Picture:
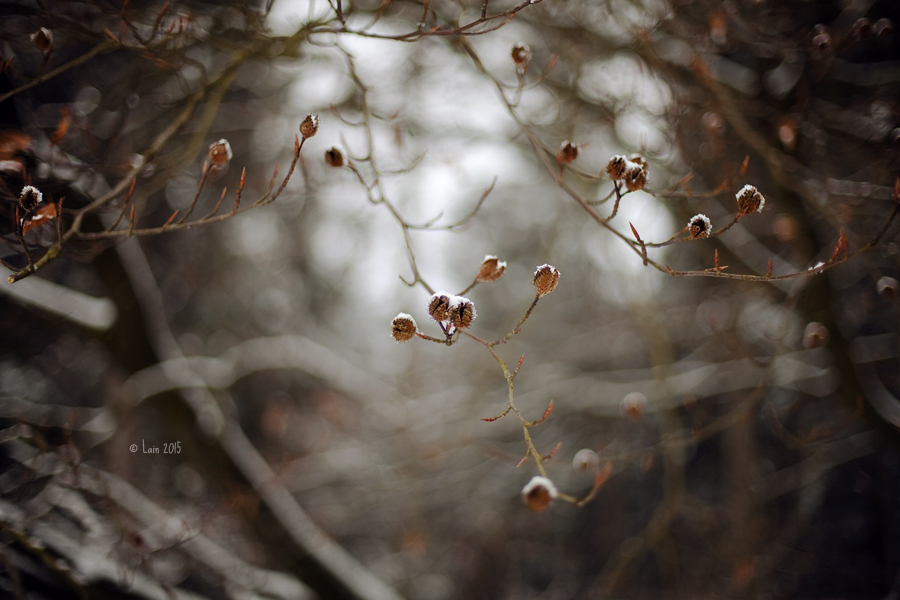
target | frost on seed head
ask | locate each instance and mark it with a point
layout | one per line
(699, 227)
(546, 278)
(750, 200)
(491, 269)
(403, 327)
(539, 493)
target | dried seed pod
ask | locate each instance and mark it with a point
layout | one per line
(883, 28)
(635, 178)
(633, 406)
(334, 157)
(546, 278)
(815, 335)
(750, 200)
(439, 306)
(862, 29)
(309, 126)
(888, 287)
(462, 312)
(585, 460)
(567, 153)
(43, 40)
(521, 55)
(30, 198)
(699, 227)
(616, 167)
(539, 493)
(491, 269)
(220, 154)
(403, 327)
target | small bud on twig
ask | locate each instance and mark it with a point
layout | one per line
(403, 327)
(699, 227)
(546, 278)
(309, 126)
(220, 154)
(539, 493)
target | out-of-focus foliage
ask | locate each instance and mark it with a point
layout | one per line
(745, 431)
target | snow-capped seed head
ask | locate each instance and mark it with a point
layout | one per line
(699, 227)
(815, 335)
(635, 178)
(616, 167)
(334, 157)
(462, 312)
(546, 278)
(521, 55)
(309, 126)
(539, 493)
(750, 200)
(439, 306)
(220, 154)
(633, 406)
(43, 40)
(585, 460)
(403, 327)
(30, 197)
(567, 153)
(491, 269)
(888, 287)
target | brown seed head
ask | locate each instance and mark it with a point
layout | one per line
(750, 200)
(439, 306)
(699, 227)
(403, 328)
(633, 406)
(616, 167)
(567, 153)
(546, 278)
(635, 178)
(491, 270)
(539, 493)
(334, 157)
(30, 198)
(585, 460)
(521, 55)
(43, 40)
(309, 126)
(220, 154)
(462, 313)
(815, 335)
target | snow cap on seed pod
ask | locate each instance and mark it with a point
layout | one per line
(539, 493)
(546, 278)
(491, 269)
(403, 327)
(699, 227)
